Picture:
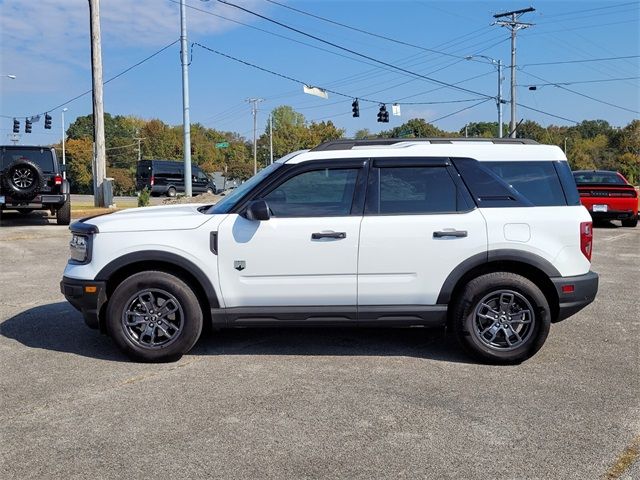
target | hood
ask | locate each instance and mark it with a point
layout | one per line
(168, 217)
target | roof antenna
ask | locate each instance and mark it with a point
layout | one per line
(512, 132)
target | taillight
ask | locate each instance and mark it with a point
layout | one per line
(152, 180)
(57, 180)
(622, 194)
(586, 239)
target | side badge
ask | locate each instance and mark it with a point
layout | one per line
(239, 265)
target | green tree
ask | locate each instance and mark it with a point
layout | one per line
(414, 128)
(79, 153)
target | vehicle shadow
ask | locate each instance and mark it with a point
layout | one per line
(59, 327)
(17, 219)
(605, 224)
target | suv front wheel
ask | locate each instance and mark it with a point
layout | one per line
(154, 316)
(501, 317)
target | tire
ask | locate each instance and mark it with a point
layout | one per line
(63, 214)
(171, 192)
(507, 339)
(633, 222)
(22, 179)
(146, 294)
(210, 191)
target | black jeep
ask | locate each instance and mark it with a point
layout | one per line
(31, 179)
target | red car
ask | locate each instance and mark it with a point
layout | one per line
(608, 196)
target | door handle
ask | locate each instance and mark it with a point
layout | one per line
(450, 233)
(319, 235)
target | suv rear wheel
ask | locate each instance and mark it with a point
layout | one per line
(154, 316)
(501, 317)
(63, 214)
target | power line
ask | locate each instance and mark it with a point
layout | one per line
(584, 95)
(459, 111)
(578, 61)
(291, 39)
(356, 29)
(126, 70)
(577, 82)
(340, 47)
(562, 14)
(287, 77)
(547, 113)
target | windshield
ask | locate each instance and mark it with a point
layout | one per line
(598, 177)
(229, 201)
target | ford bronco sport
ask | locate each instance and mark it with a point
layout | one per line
(485, 237)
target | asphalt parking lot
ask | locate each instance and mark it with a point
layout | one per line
(402, 403)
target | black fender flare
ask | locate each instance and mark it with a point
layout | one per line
(160, 256)
(504, 254)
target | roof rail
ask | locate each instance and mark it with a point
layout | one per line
(348, 144)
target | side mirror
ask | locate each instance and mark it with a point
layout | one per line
(258, 210)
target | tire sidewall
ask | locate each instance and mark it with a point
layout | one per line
(484, 285)
(192, 322)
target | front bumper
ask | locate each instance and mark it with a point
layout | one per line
(583, 293)
(86, 296)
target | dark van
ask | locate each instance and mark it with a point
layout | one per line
(166, 177)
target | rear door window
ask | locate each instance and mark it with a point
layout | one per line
(409, 190)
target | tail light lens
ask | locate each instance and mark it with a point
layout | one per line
(586, 239)
(152, 180)
(57, 180)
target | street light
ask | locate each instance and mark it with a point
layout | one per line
(499, 101)
(12, 77)
(64, 157)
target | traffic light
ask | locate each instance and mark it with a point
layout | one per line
(27, 125)
(383, 115)
(47, 121)
(355, 108)
(16, 126)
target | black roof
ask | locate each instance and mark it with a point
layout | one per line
(347, 144)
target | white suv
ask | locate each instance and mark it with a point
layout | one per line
(487, 237)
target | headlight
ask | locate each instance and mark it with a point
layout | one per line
(79, 248)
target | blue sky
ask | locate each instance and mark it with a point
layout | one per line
(46, 45)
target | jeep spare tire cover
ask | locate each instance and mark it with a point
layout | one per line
(22, 179)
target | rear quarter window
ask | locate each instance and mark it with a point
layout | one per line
(538, 182)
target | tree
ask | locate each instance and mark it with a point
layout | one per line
(414, 128)
(79, 152)
(123, 181)
(593, 128)
(362, 134)
(322, 132)
(482, 129)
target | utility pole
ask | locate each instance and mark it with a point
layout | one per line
(254, 110)
(271, 138)
(186, 122)
(514, 25)
(100, 157)
(64, 152)
(139, 139)
(500, 101)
